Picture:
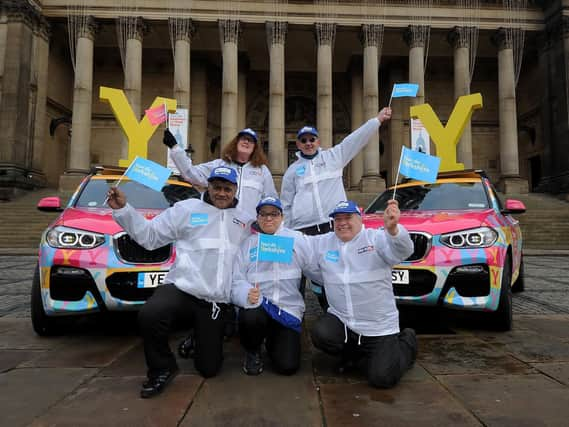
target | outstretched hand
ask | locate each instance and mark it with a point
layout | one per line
(384, 115)
(391, 217)
(116, 198)
(169, 140)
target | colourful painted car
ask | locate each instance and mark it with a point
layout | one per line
(468, 248)
(87, 263)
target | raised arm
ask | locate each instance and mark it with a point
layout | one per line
(345, 151)
(150, 234)
(393, 242)
(195, 174)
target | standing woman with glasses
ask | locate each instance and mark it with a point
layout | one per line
(312, 186)
(244, 155)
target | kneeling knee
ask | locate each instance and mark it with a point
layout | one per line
(383, 380)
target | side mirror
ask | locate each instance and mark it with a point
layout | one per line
(514, 207)
(50, 204)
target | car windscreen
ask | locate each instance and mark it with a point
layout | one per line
(439, 196)
(137, 195)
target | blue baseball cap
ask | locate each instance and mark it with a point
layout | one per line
(225, 173)
(270, 201)
(346, 206)
(307, 129)
(248, 132)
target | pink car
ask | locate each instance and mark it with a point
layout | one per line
(468, 248)
(88, 264)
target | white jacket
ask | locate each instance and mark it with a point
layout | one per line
(207, 240)
(357, 277)
(253, 184)
(312, 188)
(278, 282)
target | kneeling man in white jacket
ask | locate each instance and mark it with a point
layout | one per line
(362, 320)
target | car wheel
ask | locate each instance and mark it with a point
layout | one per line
(501, 319)
(43, 324)
(519, 286)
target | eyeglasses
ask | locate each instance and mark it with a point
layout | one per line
(305, 140)
(269, 214)
(247, 139)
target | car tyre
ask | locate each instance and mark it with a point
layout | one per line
(519, 286)
(501, 319)
(43, 324)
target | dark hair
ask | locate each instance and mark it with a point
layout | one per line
(257, 158)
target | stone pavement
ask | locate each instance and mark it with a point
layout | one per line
(464, 375)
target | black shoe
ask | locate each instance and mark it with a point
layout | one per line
(253, 363)
(409, 337)
(186, 349)
(157, 383)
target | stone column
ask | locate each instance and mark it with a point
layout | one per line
(325, 35)
(40, 69)
(3, 43)
(18, 96)
(357, 118)
(276, 38)
(182, 58)
(198, 112)
(416, 38)
(133, 72)
(229, 35)
(80, 148)
(370, 38)
(243, 70)
(457, 39)
(510, 181)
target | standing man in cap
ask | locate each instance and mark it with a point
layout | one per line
(197, 289)
(313, 185)
(362, 321)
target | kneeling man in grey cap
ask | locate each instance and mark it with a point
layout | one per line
(362, 321)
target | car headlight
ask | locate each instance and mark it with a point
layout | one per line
(70, 238)
(475, 238)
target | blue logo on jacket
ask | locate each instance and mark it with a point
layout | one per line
(198, 219)
(301, 170)
(333, 256)
(253, 254)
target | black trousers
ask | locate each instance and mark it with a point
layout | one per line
(170, 308)
(313, 231)
(387, 357)
(282, 343)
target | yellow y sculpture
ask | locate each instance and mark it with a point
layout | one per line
(137, 133)
(446, 137)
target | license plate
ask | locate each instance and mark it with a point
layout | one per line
(150, 280)
(400, 277)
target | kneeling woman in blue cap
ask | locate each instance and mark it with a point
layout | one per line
(244, 155)
(266, 282)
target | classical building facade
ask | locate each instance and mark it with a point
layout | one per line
(276, 73)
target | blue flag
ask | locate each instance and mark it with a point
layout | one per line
(419, 166)
(401, 90)
(148, 173)
(275, 248)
